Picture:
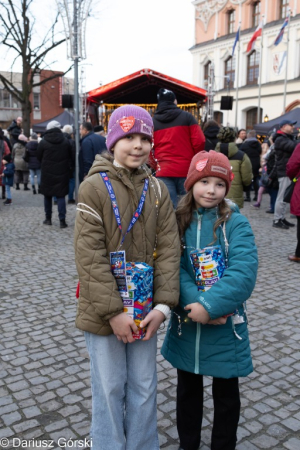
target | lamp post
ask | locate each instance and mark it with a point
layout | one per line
(74, 14)
(266, 118)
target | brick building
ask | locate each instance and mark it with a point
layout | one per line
(46, 99)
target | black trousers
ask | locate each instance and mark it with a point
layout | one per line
(226, 398)
(297, 252)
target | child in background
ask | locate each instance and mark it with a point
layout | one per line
(8, 177)
(202, 339)
(123, 371)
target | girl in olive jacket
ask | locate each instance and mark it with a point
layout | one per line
(203, 337)
(123, 371)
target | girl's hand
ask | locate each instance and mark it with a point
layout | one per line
(198, 313)
(153, 320)
(219, 321)
(123, 326)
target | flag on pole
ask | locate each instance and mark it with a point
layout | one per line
(237, 38)
(256, 34)
(281, 32)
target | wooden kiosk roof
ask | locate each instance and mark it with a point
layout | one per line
(141, 88)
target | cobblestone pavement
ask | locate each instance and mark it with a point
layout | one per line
(44, 375)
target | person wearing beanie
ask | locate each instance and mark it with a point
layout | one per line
(4, 150)
(121, 206)
(21, 166)
(91, 144)
(34, 164)
(7, 176)
(208, 335)
(177, 138)
(54, 152)
(240, 162)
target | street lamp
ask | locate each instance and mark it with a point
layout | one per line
(266, 118)
(74, 14)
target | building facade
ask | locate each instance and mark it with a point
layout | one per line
(216, 25)
(46, 99)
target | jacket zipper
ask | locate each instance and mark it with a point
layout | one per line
(198, 332)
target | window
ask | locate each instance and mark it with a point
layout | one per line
(253, 67)
(231, 21)
(229, 72)
(206, 73)
(284, 4)
(36, 100)
(256, 14)
(8, 101)
(251, 118)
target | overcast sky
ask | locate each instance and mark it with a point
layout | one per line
(124, 36)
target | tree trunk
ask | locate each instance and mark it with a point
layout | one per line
(26, 111)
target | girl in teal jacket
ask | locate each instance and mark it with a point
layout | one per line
(207, 334)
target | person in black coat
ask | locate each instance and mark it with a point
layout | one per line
(91, 145)
(68, 133)
(210, 130)
(252, 147)
(55, 154)
(285, 144)
(34, 164)
(15, 129)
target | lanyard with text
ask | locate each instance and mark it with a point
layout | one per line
(116, 211)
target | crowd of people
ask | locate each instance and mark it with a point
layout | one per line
(182, 197)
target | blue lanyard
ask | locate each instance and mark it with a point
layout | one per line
(116, 211)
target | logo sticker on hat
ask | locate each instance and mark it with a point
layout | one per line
(201, 164)
(127, 123)
(146, 129)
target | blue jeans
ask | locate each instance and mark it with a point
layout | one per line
(273, 195)
(72, 186)
(123, 381)
(7, 192)
(175, 187)
(61, 206)
(34, 172)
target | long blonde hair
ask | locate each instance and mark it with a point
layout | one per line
(184, 214)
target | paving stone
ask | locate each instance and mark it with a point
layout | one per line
(45, 375)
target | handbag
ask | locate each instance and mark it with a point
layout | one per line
(289, 191)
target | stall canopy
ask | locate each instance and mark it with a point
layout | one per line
(65, 118)
(266, 128)
(141, 88)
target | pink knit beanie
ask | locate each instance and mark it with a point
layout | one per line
(128, 119)
(209, 164)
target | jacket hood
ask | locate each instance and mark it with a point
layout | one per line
(228, 150)
(167, 112)
(104, 164)
(253, 143)
(211, 132)
(54, 136)
(32, 145)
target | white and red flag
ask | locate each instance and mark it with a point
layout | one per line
(256, 34)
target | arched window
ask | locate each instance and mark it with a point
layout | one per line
(206, 73)
(253, 67)
(229, 72)
(251, 118)
(231, 21)
(283, 9)
(255, 14)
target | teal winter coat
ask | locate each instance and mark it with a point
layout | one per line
(221, 351)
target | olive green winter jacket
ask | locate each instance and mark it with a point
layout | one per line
(241, 168)
(97, 234)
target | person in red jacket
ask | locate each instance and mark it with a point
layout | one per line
(292, 171)
(177, 138)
